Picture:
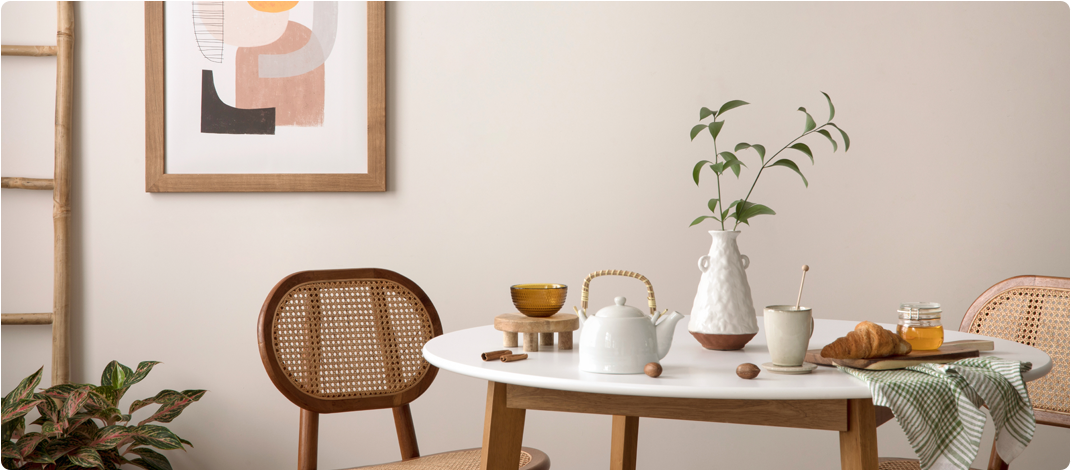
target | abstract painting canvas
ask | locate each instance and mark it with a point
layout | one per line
(265, 96)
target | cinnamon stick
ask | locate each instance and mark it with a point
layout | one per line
(509, 358)
(488, 356)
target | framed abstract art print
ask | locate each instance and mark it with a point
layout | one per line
(265, 96)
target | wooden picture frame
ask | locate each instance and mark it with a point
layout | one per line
(157, 180)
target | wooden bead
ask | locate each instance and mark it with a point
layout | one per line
(747, 370)
(653, 369)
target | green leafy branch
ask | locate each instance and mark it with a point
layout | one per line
(742, 210)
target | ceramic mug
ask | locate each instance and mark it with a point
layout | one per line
(788, 331)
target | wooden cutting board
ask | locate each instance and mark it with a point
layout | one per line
(950, 351)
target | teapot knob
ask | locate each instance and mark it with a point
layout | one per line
(620, 300)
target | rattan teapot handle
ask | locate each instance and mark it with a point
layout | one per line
(587, 281)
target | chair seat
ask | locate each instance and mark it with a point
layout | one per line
(464, 459)
(898, 463)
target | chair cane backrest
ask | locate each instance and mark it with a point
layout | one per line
(1031, 310)
(347, 340)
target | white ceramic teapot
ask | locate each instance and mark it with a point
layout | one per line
(620, 339)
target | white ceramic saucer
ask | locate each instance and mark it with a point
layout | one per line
(803, 369)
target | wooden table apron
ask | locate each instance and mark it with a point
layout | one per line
(844, 407)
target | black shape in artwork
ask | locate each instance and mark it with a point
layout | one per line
(218, 117)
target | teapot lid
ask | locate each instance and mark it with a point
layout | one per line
(619, 310)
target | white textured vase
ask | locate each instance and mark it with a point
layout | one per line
(723, 315)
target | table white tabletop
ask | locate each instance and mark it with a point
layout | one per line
(689, 370)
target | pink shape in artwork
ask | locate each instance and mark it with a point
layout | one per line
(298, 100)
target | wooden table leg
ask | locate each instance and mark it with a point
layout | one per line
(859, 445)
(623, 440)
(503, 429)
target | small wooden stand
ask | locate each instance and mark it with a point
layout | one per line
(537, 330)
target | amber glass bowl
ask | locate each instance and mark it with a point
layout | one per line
(538, 299)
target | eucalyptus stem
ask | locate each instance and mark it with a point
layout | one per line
(718, 177)
(763, 167)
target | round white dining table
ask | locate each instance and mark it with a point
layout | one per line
(704, 383)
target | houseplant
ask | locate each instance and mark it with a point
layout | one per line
(723, 316)
(70, 435)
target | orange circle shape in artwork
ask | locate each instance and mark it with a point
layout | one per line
(272, 7)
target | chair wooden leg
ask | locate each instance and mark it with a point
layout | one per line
(994, 459)
(403, 423)
(859, 445)
(623, 442)
(503, 430)
(307, 439)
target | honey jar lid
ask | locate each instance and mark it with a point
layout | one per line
(919, 311)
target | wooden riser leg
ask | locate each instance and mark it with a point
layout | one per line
(546, 338)
(623, 442)
(509, 339)
(565, 340)
(859, 445)
(531, 342)
(503, 430)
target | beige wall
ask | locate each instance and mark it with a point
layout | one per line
(540, 142)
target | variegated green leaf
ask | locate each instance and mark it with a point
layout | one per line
(790, 165)
(695, 176)
(143, 370)
(28, 443)
(697, 129)
(715, 129)
(186, 442)
(730, 105)
(10, 451)
(86, 458)
(49, 407)
(50, 429)
(195, 394)
(14, 429)
(109, 437)
(110, 394)
(156, 436)
(844, 135)
(169, 410)
(831, 110)
(112, 459)
(150, 459)
(19, 408)
(97, 401)
(809, 124)
(803, 148)
(115, 375)
(74, 402)
(828, 136)
(25, 388)
(704, 112)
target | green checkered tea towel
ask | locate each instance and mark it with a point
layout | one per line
(939, 407)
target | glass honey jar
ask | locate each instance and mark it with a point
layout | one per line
(920, 325)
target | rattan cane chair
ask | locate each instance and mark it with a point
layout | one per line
(350, 340)
(1031, 310)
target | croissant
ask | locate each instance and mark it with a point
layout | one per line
(868, 340)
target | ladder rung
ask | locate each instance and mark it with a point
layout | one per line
(37, 318)
(27, 183)
(36, 51)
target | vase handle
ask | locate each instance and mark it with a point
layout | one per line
(746, 261)
(704, 263)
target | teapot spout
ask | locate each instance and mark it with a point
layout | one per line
(664, 332)
(580, 313)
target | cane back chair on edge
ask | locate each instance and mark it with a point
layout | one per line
(1031, 310)
(350, 340)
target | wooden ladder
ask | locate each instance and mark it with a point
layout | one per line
(60, 185)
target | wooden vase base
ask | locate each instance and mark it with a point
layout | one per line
(723, 341)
